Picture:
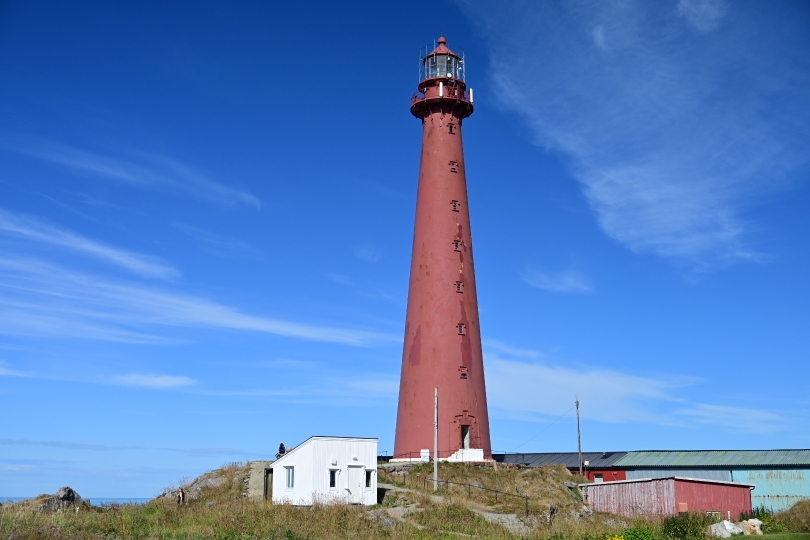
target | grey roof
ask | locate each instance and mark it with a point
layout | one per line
(714, 458)
(598, 460)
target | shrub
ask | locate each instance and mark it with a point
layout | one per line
(686, 526)
(639, 533)
(770, 524)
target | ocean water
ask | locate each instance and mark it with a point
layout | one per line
(95, 501)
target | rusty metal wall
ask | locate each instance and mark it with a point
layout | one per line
(724, 475)
(643, 498)
(777, 489)
(708, 497)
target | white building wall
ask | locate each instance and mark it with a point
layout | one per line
(313, 460)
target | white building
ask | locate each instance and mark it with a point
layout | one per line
(327, 470)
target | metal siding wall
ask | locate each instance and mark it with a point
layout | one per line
(655, 497)
(607, 475)
(706, 474)
(777, 489)
(702, 497)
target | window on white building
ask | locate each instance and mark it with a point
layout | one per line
(368, 478)
(332, 478)
(290, 476)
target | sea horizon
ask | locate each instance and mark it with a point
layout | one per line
(94, 501)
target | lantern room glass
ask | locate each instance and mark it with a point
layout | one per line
(434, 66)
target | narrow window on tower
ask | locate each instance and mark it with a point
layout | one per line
(462, 329)
(463, 370)
(459, 287)
(454, 166)
(455, 205)
(457, 245)
(451, 128)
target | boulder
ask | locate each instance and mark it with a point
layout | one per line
(193, 491)
(382, 517)
(724, 529)
(750, 526)
(63, 499)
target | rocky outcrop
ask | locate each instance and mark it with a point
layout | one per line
(64, 499)
(209, 480)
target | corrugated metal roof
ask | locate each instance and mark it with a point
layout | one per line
(597, 460)
(714, 458)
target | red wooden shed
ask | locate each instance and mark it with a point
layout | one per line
(669, 496)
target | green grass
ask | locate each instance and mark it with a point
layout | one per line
(788, 536)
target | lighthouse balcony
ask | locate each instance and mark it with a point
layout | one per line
(442, 92)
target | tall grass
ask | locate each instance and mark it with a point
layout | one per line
(797, 518)
(237, 519)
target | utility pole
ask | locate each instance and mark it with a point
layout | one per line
(579, 436)
(436, 439)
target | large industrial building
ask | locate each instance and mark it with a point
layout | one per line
(781, 477)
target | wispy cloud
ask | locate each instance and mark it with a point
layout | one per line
(675, 119)
(153, 381)
(495, 346)
(8, 372)
(324, 388)
(340, 279)
(39, 299)
(704, 15)
(69, 445)
(33, 229)
(740, 419)
(367, 254)
(137, 168)
(216, 244)
(611, 396)
(568, 281)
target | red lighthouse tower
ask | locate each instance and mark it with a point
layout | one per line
(442, 335)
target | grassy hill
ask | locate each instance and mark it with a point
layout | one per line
(218, 509)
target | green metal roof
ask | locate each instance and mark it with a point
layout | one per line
(715, 458)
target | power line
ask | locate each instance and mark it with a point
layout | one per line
(545, 428)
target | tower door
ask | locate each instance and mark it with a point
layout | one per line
(355, 488)
(465, 436)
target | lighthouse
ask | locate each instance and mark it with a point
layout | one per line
(442, 348)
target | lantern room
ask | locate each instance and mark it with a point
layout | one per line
(441, 63)
(442, 83)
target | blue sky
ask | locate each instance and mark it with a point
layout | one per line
(206, 214)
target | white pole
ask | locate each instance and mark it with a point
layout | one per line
(579, 437)
(441, 89)
(436, 439)
(471, 96)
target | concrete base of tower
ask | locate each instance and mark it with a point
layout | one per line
(466, 455)
(463, 455)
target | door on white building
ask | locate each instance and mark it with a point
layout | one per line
(355, 487)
